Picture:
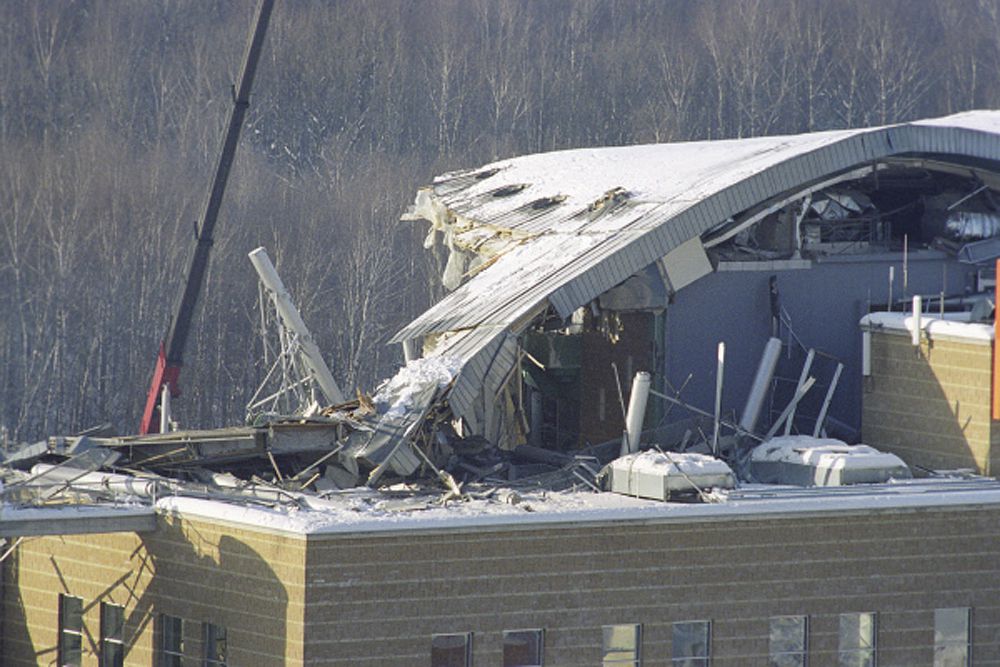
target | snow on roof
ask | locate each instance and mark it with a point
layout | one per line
(956, 327)
(363, 511)
(674, 463)
(18, 520)
(823, 453)
(559, 229)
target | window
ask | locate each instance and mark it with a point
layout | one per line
(622, 644)
(214, 641)
(70, 630)
(952, 637)
(523, 648)
(857, 640)
(112, 635)
(171, 641)
(692, 640)
(451, 650)
(788, 641)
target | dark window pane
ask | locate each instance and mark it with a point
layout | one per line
(69, 650)
(112, 655)
(172, 637)
(522, 648)
(71, 613)
(112, 621)
(215, 644)
(70, 630)
(451, 650)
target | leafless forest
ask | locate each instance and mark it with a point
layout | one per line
(111, 117)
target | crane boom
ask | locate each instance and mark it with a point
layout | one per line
(171, 354)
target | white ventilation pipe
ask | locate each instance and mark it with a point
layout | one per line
(761, 381)
(866, 353)
(311, 356)
(636, 409)
(915, 334)
(165, 415)
(720, 371)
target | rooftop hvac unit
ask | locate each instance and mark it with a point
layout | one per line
(802, 460)
(662, 476)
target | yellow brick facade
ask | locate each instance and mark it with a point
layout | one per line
(248, 581)
(931, 407)
(376, 598)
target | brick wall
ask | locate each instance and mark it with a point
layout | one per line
(377, 600)
(250, 582)
(933, 408)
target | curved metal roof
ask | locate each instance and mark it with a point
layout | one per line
(564, 227)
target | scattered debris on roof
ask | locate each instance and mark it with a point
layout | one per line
(556, 260)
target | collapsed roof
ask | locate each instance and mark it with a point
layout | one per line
(537, 235)
(557, 230)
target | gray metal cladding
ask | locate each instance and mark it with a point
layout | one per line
(627, 238)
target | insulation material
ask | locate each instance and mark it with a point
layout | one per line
(972, 226)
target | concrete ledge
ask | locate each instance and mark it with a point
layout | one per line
(31, 521)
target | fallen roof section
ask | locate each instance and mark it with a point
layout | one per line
(556, 230)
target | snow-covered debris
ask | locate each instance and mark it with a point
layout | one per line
(806, 461)
(418, 378)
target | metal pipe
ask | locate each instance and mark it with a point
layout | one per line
(799, 393)
(95, 481)
(802, 379)
(915, 334)
(720, 370)
(765, 373)
(637, 409)
(165, 409)
(826, 401)
(866, 353)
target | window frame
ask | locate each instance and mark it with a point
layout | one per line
(536, 637)
(847, 656)
(212, 636)
(108, 638)
(691, 660)
(466, 638)
(942, 645)
(170, 656)
(778, 656)
(636, 637)
(66, 633)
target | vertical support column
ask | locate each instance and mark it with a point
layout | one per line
(996, 336)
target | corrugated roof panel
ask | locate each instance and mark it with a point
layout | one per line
(706, 182)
